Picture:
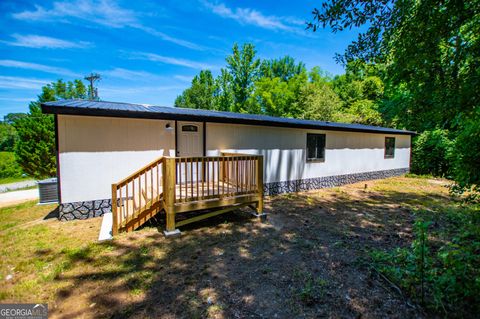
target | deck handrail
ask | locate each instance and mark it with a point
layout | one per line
(137, 192)
(168, 182)
(222, 153)
(140, 171)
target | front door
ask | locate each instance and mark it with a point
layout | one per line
(189, 143)
(189, 139)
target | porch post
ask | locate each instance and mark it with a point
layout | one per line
(169, 171)
(114, 210)
(260, 212)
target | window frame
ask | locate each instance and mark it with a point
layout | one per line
(316, 159)
(386, 147)
(189, 126)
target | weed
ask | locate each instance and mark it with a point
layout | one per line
(441, 269)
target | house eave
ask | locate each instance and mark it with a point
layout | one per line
(66, 110)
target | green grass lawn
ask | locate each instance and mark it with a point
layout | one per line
(310, 259)
(8, 180)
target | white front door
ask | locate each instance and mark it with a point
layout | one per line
(189, 139)
(189, 143)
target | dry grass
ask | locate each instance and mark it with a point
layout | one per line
(307, 260)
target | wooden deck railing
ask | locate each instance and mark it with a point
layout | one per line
(200, 178)
(181, 184)
(136, 193)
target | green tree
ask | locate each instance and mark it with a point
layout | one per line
(429, 153)
(201, 93)
(466, 153)
(319, 102)
(10, 118)
(35, 149)
(284, 68)
(224, 97)
(244, 69)
(364, 112)
(8, 136)
(431, 53)
(8, 166)
(317, 75)
(273, 96)
(349, 90)
(431, 49)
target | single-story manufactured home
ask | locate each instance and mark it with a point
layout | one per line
(104, 146)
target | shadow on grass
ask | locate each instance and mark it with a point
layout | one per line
(53, 214)
(309, 259)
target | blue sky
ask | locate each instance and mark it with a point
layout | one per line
(147, 51)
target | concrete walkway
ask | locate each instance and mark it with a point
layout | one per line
(16, 197)
(13, 186)
(106, 228)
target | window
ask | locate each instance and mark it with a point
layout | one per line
(389, 147)
(189, 128)
(315, 147)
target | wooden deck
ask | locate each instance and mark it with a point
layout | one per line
(184, 184)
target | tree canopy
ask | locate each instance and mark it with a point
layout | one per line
(425, 58)
(284, 87)
(35, 148)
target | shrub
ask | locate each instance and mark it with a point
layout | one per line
(465, 154)
(9, 166)
(8, 135)
(430, 153)
(441, 269)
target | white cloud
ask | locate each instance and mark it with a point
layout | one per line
(13, 82)
(166, 37)
(184, 78)
(38, 41)
(254, 17)
(18, 99)
(138, 90)
(168, 60)
(36, 67)
(103, 12)
(126, 74)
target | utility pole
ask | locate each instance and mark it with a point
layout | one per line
(92, 90)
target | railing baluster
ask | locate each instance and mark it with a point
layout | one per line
(151, 187)
(196, 166)
(203, 178)
(191, 178)
(146, 188)
(139, 192)
(121, 200)
(126, 195)
(186, 180)
(236, 175)
(218, 176)
(180, 178)
(207, 176)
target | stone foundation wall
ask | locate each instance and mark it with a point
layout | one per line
(96, 208)
(328, 181)
(84, 210)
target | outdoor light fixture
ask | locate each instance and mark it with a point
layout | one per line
(168, 127)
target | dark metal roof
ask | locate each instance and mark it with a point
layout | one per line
(116, 109)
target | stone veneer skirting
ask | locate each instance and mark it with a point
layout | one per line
(84, 210)
(96, 208)
(328, 181)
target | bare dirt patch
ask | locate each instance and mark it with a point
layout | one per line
(310, 259)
